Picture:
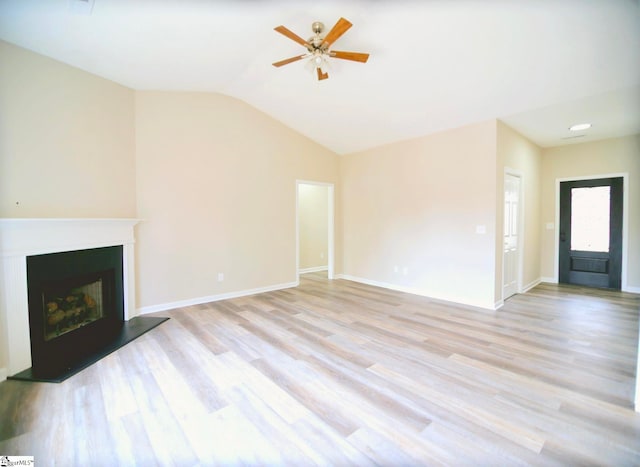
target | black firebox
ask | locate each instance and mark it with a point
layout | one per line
(76, 306)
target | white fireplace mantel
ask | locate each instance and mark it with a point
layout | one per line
(20, 238)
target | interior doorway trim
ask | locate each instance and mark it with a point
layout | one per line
(330, 226)
(625, 224)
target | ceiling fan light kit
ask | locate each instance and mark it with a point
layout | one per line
(319, 46)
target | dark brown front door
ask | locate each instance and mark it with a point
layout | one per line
(591, 232)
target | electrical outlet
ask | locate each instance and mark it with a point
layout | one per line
(396, 269)
(220, 276)
(321, 255)
(405, 270)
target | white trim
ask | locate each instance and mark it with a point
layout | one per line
(631, 289)
(331, 233)
(625, 222)
(330, 227)
(213, 298)
(316, 269)
(531, 285)
(549, 280)
(636, 399)
(637, 396)
(422, 293)
(3, 374)
(24, 236)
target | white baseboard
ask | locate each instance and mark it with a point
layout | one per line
(316, 269)
(549, 280)
(422, 293)
(213, 298)
(3, 374)
(531, 285)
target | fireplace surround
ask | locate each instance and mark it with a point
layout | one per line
(21, 240)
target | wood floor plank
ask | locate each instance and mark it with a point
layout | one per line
(273, 427)
(342, 373)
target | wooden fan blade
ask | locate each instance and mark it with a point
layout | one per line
(291, 35)
(338, 30)
(289, 60)
(321, 75)
(354, 56)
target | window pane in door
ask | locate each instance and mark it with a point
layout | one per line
(590, 218)
(507, 222)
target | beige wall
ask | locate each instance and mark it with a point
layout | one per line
(313, 225)
(216, 186)
(416, 205)
(616, 155)
(520, 156)
(67, 144)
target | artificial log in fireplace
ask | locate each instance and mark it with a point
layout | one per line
(76, 311)
(71, 304)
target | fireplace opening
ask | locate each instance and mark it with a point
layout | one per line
(76, 306)
(71, 304)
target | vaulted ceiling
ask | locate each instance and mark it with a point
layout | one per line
(539, 65)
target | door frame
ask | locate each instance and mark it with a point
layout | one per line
(521, 216)
(613, 256)
(625, 223)
(330, 226)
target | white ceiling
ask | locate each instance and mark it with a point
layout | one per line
(539, 65)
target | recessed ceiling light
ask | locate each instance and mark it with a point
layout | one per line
(580, 127)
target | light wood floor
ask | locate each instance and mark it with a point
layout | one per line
(339, 373)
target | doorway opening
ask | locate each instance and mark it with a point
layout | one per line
(590, 232)
(314, 227)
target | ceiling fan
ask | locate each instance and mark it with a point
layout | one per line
(319, 46)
